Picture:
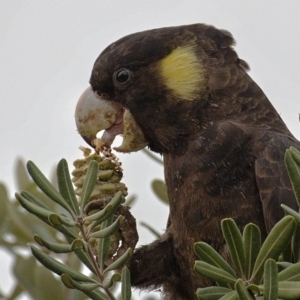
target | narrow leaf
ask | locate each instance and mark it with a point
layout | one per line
(126, 285)
(212, 292)
(59, 247)
(274, 244)
(289, 211)
(65, 186)
(46, 186)
(102, 233)
(291, 160)
(88, 288)
(57, 220)
(33, 208)
(212, 257)
(235, 244)
(270, 280)
(89, 183)
(33, 199)
(289, 290)
(112, 206)
(241, 290)
(213, 273)
(57, 267)
(103, 247)
(120, 262)
(230, 296)
(291, 273)
(109, 281)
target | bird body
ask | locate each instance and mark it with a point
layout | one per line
(222, 142)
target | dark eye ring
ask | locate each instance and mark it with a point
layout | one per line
(122, 75)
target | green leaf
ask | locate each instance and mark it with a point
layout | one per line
(88, 288)
(103, 247)
(56, 266)
(153, 156)
(59, 247)
(103, 233)
(46, 186)
(296, 243)
(241, 290)
(291, 273)
(110, 280)
(33, 208)
(212, 292)
(120, 262)
(289, 290)
(35, 200)
(160, 190)
(213, 273)
(89, 183)
(230, 296)
(252, 244)
(65, 186)
(212, 257)
(276, 241)
(289, 211)
(32, 277)
(270, 280)
(235, 244)
(57, 220)
(126, 285)
(292, 162)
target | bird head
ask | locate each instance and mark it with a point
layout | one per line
(160, 87)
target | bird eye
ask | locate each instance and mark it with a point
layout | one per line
(122, 76)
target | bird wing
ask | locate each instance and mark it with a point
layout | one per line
(272, 179)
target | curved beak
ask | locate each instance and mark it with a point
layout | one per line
(94, 114)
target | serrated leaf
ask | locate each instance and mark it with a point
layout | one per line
(126, 285)
(235, 244)
(46, 186)
(89, 183)
(291, 273)
(212, 292)
(270, 280)
(252, 244)
(274, 244)
(212, 257)
(241, 290)
(65, 186)
(214, 273)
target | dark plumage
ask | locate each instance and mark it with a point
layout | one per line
(222, 142)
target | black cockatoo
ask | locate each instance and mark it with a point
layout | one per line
(184, 92)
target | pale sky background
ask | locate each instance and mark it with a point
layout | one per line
(47, 50)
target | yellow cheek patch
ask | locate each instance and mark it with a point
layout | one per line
(183, 73)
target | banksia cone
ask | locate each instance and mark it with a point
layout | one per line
(108, 184)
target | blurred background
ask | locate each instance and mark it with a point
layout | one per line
(47, 50)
